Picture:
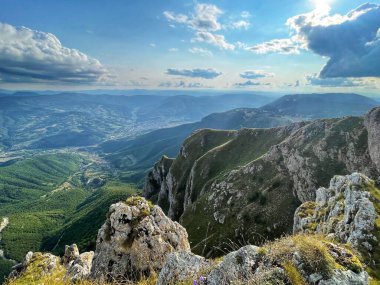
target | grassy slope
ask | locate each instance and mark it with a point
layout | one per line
(45, 201)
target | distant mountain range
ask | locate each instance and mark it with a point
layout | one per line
(29, 121)
(140, 153)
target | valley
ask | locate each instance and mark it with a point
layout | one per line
(226, 171)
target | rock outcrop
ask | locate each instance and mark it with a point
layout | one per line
(349, 212)
(155, 187)
(245, 180)
(135, 241)
(372, 123)
(182, 266)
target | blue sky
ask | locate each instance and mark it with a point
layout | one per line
(290, 45)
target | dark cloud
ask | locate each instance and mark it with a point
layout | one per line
(351, 42)
(33, 56)
(197, 73)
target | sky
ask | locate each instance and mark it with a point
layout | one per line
(257, 45)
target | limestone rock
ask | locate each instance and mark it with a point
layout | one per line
(181, 266)
(238, 265)
(81, 267)
(135, 241)
(38, 265)
(71, 254)
(372, 123)
(344, 211)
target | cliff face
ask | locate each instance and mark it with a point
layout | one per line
(247, 184)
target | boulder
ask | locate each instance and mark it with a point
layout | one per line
(182, 266)
(135, 241)
(81, 267)
(71, 254)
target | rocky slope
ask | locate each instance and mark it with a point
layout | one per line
(138, 244)
(347, 211)
(247, 184)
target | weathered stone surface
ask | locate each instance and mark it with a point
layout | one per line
(37, 264)
(80, 268)
(135, 241)
(181, 266)
(71, 254)
(239, 266)
(344, 211)
(372, 123)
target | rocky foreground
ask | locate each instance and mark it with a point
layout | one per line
(335, 241)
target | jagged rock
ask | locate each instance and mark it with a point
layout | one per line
(344, 211)
(239, 266)
(81, 267)
(372, 123)
(182, 266)
(38, 265)
(71, 254)
(135, 241)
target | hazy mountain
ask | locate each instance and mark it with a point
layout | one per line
(29, 121)
(329, 105)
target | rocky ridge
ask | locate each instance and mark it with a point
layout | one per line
(245, 180)
(138, 241)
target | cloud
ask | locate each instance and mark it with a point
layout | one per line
(315, 80)
(205, 22)
(242, 24)
(201, 51)
(282, 46)
(351, 41)
(173, 49)
(33, 56)
(251, 83)
(153, 45)
(198, 73)
(255, 74)
(182, 84)
(205, 18)
(216, 40)
(245, 14)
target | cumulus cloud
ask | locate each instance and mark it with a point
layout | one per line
(245, 14)
(255, 74)
(205, 22)
(282, 46)
(315, 80)
(251, 83)
(242, 24)
(350, 41)
(205, 18)
(173, 49)
(197, 73)
(214, 39)
(201, 51)
(33, 56)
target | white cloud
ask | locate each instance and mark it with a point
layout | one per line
(315, 80)
(173, 49)
(33, 56)
(214, 39)
(251, 83)
(242, 24)
(245, 14)
(201, 51)
(204, 18)
(255, 74)
(283, 46)
(153, 45)
(182, 84)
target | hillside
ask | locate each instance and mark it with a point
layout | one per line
(74, 120)
(139, 154)
(327, 105)
(246, 185)
(53, 199)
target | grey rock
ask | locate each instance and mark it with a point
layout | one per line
(372, 123)
(80, 268)
(135, 241)
(182, 266)
(71, 254)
